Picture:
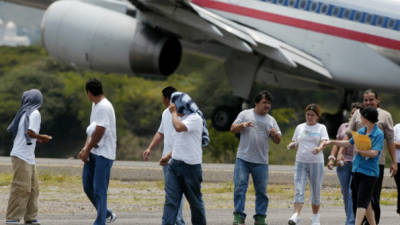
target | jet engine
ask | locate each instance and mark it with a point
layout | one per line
(90, 36)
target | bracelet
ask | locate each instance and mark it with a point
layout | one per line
(331, 157)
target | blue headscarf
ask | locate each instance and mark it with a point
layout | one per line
(31, 100)
(185, 105)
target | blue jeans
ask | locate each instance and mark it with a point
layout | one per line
(259, 173)
(344, 175)
(179, 218)
(95, 179)
(185, 179)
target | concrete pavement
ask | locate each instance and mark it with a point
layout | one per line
(151, 171)
(329, 216)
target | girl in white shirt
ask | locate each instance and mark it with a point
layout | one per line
(309, 138)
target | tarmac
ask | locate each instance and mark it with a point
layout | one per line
(151, 171)
(329, 216)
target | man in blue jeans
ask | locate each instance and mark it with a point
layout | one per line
(255, 126)
(165, 132)
(99, 151)
(184, 174)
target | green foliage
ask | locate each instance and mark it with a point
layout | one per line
(284, 117)
(14, 57)
(278, 154)
(138, 106)
(66, 109)
(222, 147)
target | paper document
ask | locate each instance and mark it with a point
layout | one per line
(362, 142)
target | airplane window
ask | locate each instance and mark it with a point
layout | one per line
(358, 16)
(292, 3)
(391, 23)
(347, 14)
(336, 11)
(314, 6)
(324, 9)
(380, 21)
(369, 18)
(303, 4)
(281, 2)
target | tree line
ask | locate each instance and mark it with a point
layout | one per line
(137, 102)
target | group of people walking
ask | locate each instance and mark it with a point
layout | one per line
(98, 155)
(183, 132)
(361, 172)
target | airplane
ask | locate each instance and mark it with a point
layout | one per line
(297, 44)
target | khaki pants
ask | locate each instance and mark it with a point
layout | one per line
(23, 201)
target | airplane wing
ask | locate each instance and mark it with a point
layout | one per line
(229, 33)
(192, 23)
(265, 44)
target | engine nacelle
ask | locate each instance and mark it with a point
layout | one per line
(89, 36)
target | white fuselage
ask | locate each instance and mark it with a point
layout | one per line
(350, 37)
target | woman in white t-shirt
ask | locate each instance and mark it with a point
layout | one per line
(24, 193)
(397, 176)
(309, 138)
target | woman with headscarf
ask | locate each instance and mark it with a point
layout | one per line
(184, 174)
(23, 200)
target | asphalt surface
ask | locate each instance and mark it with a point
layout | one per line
(151, 171)
(329, 216)
(132, 170)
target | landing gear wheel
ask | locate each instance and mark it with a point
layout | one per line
(222, 117)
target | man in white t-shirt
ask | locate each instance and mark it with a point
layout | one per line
(165, 132)
(256, 128)
(25, 127)
(184, 174)
(98, 154)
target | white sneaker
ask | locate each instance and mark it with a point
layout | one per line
(315, 219)
(294, 219)
(111, 218)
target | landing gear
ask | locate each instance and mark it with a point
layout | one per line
(241, 69)
(333, 121)
(223, 117)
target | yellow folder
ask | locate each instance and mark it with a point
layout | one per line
(362, 142)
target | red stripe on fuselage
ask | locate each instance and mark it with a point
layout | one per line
(299, 23)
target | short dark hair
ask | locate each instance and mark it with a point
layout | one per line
(371, 91)
(94, 86)
(370, 113)
(357, 105)
(315, 108)
(167, 92)
(263, 94)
